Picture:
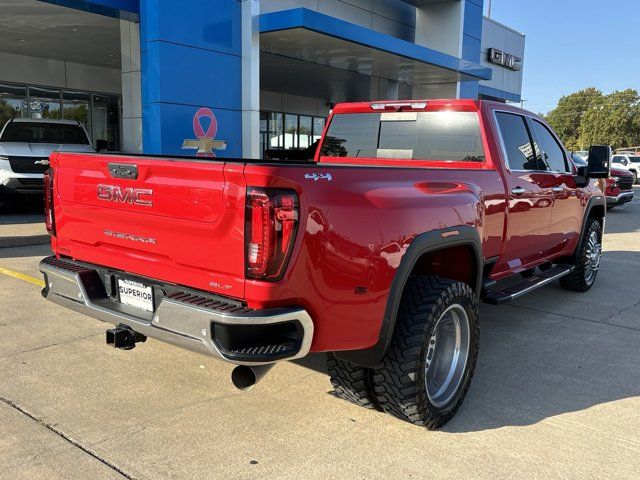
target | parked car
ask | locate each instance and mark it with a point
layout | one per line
(583, 154)
(377, 252)
(627, 162)
(619, 188)
(25, 147)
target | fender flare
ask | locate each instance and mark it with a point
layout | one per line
(595, 201)
(423, 243)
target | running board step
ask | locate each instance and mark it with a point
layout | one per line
(528, 285)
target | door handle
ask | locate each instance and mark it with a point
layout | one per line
(558, 189)
(518, 191)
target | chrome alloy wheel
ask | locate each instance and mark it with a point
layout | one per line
(447, 355)
(592, 256)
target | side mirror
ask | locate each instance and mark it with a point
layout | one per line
(599, 161)
(582, 177)
(102, 145)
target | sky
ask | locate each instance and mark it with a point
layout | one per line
(574, 44)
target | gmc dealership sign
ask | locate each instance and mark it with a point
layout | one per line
(505, 59)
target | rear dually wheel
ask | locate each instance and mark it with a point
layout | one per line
(427, 370)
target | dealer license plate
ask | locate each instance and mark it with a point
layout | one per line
(135, 294)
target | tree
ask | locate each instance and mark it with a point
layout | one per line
(589, 118)
(615, 122)
(566, 118)
(7, 112)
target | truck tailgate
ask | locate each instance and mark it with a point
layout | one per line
(180, 221)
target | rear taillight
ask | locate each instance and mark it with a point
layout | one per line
(271, 224)
(49, 218)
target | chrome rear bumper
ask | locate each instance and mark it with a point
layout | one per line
(178, 319)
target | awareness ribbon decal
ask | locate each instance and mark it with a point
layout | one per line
(205, 143)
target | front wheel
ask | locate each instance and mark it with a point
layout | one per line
(427, 370)
(588, 257)
(635, 177)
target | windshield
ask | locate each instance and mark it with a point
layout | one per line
(433, 136)
(44, 132)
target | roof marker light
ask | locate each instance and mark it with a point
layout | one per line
(398, 106)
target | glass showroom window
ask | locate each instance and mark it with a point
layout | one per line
(13, 103)
(290, 132)
(275, 131)
(77, 106)
(106, 120)
(318, 127)
(286, 131)
(264, 132)
(306, 131)
(99, 113)
(44, 103)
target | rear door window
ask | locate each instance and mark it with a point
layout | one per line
(549, 151)
(517, 142)
(427, 136)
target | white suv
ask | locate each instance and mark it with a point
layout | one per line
(25, 146)
(627, 162)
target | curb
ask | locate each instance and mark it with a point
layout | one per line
(24, 241)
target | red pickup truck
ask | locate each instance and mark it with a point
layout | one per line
(377, 251)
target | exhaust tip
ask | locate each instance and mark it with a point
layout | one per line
(244, 377)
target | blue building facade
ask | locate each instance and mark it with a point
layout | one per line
(221, 76)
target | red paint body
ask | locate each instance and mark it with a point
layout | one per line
(353, 230)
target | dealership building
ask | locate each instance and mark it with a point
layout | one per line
(239, 77)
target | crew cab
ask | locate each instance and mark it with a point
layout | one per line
(377, 251)
(25, 147)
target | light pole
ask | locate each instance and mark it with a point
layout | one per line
(489, 10)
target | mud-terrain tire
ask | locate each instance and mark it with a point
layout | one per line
(406, 383)
(587, 261)
(351, 382)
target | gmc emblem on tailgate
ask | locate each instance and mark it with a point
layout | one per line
(130, 195)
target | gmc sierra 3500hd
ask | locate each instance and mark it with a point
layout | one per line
(377, 251)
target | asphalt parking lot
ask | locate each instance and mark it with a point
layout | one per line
(556, 395)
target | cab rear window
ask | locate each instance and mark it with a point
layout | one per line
(430, 136)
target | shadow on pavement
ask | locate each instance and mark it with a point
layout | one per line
(22, 224)
(29, 205)
(535, 365)
(43, 250)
